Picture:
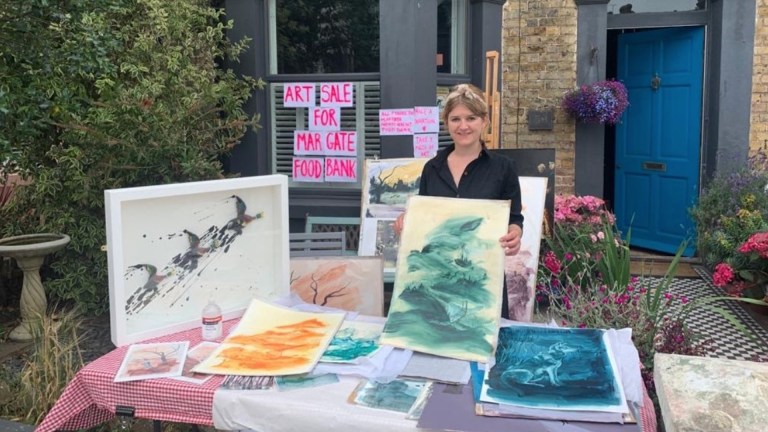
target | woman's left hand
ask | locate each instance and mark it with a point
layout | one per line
(511, 241)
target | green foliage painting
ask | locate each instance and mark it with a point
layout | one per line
(447, 296)
(108, 94)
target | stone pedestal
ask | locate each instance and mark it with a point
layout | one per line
(713, 395)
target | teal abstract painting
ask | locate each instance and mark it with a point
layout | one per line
(449, 278)
(554, 368)
(352, 341)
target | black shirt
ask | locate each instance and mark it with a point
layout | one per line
(490, 176)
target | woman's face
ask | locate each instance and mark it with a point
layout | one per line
(465, 126)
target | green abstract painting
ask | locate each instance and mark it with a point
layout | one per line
(449, 278)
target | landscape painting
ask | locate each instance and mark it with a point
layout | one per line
(554, 368)
(272, 340)
(448, 284)
(173, 247)
(350, 283)
(353, 340)
(521, 269)
(387, 185)
(153, 360)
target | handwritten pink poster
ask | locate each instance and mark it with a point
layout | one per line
(425, 145)
(396, 121)
(340, 143)
(340, 169)
(297, 95)
(307, 169)
(307, 143)
(426, 119)
(324, 118)
(338, 94)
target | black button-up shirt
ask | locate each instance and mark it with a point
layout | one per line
(490, 176)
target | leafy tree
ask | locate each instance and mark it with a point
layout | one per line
(103, 94)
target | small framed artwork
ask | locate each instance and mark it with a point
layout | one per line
(171, 248)
(351, 283)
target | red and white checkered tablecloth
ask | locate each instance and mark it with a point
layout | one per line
(93, 395)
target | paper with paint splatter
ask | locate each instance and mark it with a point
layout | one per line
(273, 340)
(450, 273)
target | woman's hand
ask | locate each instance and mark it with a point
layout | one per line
(399, 224)
(511, 240)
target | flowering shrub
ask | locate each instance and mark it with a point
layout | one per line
(600, 102)
(745, 273)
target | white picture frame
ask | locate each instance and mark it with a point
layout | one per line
(171, 248)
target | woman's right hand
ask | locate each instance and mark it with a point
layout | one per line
(399, 224)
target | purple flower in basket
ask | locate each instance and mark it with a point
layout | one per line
(600, 102)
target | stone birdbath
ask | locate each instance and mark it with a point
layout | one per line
(29, 251)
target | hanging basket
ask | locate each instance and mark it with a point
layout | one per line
(602, 102)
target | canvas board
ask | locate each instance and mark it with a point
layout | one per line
(154, 360)
(351, 283)
(521, 269)
(388, 184)
(448, 284)
(554, 368)
(173, 247)
(273, 340)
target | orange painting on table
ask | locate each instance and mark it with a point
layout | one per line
(273, 340)
(152, 360)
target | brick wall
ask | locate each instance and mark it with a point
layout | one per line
(539, 66)
(758, 133)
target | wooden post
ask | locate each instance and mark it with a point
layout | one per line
(493, 99)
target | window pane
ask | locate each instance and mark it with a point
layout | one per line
(327, 36)
(451, 35)
(639, 6)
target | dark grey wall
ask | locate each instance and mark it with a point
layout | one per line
(484, 31)
(589, 158)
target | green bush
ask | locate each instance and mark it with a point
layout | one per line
(103, 94)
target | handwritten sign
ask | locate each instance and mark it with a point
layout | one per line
(340, 143)
(395, 121)
(307, 143)
(337, 94)
(426, 119)
(297, 95)
(425, 145)
(308, 169)
(324, 118)
(340, 169)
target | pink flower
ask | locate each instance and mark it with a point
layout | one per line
(601, 235)
(568, 256)
(551, 262)
(723, 275)
(593, 237)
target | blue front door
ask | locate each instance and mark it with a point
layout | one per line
(659, 139)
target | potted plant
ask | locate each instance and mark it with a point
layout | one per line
(601, 102)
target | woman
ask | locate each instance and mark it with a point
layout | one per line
(466, 169)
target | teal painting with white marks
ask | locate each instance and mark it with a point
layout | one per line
(352, 341)
(449, 278)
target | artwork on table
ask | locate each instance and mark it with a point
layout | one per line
(521, 269)
(554, 368)
(273, 340)
(153, 360)
(397, 395)
(195, 355)
(240, 382)
(384, 241)
(350, 283)
(353, 340)
(304, 381)
(537, 163)
(388, 184)
(448, 285)
(173, 247)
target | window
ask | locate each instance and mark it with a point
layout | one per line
(363, 118)
(451, 36)
(330, 36)
(629, 6)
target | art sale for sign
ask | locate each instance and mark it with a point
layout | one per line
(335, 149)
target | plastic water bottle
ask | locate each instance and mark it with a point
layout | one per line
(212, 325)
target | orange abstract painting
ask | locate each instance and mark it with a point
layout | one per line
(273, 340)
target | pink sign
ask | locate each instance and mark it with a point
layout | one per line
(324, 118)
(337, 94)
(340, 169)
(395, 121)
(425, 145)
(307, 169)
(340, 143)
(298, 95)
(426, 119)
(307, 143)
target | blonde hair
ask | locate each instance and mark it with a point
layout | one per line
(468, 95)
